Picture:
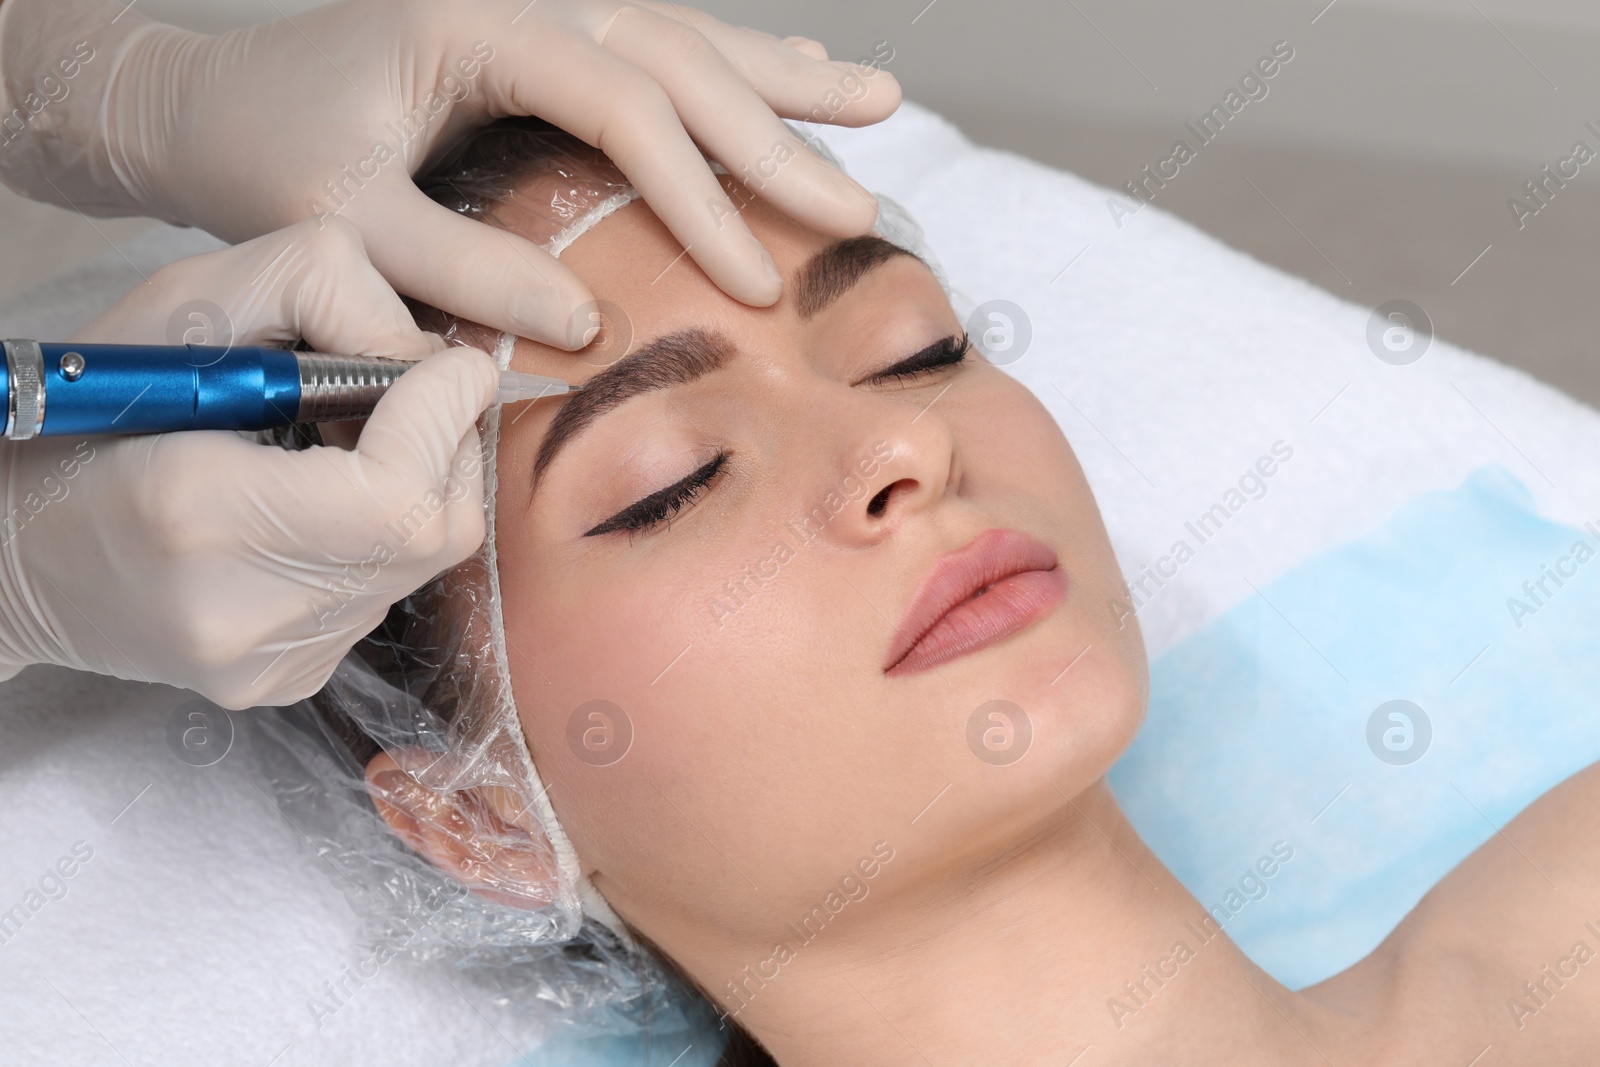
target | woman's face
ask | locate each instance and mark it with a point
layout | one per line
(745, 616)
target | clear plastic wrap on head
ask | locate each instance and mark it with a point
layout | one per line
(432, 686)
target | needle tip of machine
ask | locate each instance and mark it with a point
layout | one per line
(515, 386)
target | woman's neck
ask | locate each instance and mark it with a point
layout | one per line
(1080, 940)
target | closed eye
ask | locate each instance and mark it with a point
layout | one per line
(945, 352)
(659, 507)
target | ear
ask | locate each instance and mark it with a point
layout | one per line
(481, 836)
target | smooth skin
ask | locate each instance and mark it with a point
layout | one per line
(771, 752)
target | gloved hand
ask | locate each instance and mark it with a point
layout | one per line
(332, 111)
(236, 569)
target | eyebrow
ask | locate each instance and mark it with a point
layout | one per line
(836, 269)
(682, 357)
(673, 359)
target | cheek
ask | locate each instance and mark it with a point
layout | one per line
(581, 670)
(1031, 470)
(570, 648)
(629, 694)
(717, 718)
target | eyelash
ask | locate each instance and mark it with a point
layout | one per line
(945, 352)
(661, 506)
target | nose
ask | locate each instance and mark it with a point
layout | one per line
(884, 473)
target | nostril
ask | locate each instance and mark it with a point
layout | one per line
(880, 503)
(876, 506)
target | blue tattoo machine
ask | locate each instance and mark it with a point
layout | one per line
(62, 389)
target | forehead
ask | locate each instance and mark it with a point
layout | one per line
(646, 285)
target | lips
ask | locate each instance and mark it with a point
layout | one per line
(975, 597)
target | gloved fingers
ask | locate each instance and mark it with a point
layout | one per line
(465, 268)
(607, 101)
(429, 532)
(724, 113)
(268, 575)
(413, 453)
(194, 495)
(278, 674)
(206, 564)
(196, 300)
(277, 669)
(462, 516)
(794, 75)
(335, 298)
(422, 419)
(806, 46)
(307, 280)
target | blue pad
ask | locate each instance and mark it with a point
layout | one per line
(1258, 731)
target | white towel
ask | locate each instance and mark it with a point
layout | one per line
(201, 928)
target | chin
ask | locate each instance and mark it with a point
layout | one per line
(1078, 723)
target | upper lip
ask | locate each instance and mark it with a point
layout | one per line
(958, 576)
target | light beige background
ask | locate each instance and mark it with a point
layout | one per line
(1379, 166)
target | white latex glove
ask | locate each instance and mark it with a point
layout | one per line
(246, 132)
(240, 570)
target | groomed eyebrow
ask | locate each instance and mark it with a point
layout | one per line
(682, 357)
(836, 269)
(673, 359)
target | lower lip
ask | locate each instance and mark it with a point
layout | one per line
(1010, 605)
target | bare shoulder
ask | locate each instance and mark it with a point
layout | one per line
(1504, 952)
(1548, 857)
